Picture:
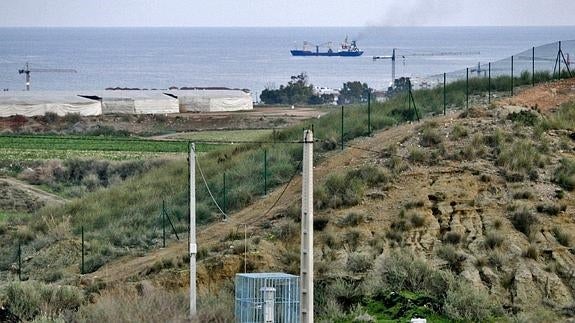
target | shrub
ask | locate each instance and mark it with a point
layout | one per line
(29, 299)
(523, 220)
(494, 240)
(565, 174)
(352, 239)
(521, 157)
(319, 223)
(370, 175)
(562, 237)
(129, 305)
(453, 258)
(430, 137)
(72, 118)
(459, 132)
(358, 262)
(452, 238)
(417, 220)
(550, 209)
(526, 118)
(461, 305)
(531, 252)
(337, 192)
(352, 219)
(522, 195)
(418, 155)
(50, 117)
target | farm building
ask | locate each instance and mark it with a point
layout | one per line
(37, 103)
(208, 100)
(134, 102)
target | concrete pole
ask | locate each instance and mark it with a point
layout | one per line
(192, 233)
(306, 272)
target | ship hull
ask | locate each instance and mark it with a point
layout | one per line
(296, 52)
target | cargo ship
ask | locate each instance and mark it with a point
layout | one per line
(346, 50)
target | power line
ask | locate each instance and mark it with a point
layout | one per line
(209, 191)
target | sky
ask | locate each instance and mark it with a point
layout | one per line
(278, 13)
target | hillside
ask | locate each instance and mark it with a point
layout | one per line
(479, 200)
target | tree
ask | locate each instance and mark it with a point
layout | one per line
(354, 92)
(297, 91)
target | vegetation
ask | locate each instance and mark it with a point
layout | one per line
(297, 91)
(354, 92)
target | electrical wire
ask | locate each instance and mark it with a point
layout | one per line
(210, 192)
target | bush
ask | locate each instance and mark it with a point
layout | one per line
(430, 137)
(30, 299)
(352, 239)
(352, 219)
(452, 238)
(523, 220)
(358, 262)
(522, 157)
(522, 195)
(319, 223)
(418, 155)
(562, 237)
(565, 174)
(453, 258)
(417, 220)
(531, 252)
(463, 305)
(339, 191)
(459, 132)
(550, 209)
(494, 240)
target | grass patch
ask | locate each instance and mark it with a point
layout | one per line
(564, 175)
(562, 237)
(524, 221)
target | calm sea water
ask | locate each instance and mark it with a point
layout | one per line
(252, 58)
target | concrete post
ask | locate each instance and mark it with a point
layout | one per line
(192, 233)
(306, 271)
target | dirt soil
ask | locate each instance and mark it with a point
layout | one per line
(546, 97)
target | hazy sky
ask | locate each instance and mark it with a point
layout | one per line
(286, 12)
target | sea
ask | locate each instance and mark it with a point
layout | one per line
(248, 58)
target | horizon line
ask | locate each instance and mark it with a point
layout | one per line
(297, 26)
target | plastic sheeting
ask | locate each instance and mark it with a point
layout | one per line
(137, 102)
(38, 103)
(213, 100)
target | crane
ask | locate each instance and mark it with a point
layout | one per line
(27, 70)
(394, 55)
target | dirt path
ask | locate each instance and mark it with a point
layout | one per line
(42, 196)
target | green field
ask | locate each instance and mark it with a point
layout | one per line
(43, 147)
(225, 135)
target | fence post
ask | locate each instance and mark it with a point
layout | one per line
(444, 93)
(265, 172)
(224, 202)
(82, 267)
(369, 113)
(467, 88)
(19, 261)
(163, 224)
(342, 127)
(533, 67)
(559, 59)
(512, 85)
(489, 84)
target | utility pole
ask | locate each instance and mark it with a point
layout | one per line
(306, 271)
(192, 233)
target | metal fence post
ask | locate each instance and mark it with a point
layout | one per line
(265, 172)
(82, 267)
(342, 127)
(489, 84)
(512, 85)
(444, 93)
(467, 88)
(224, 202)
(369, 113)
(19, 261)
(559, 59)
(163, 224)
(533, 67)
